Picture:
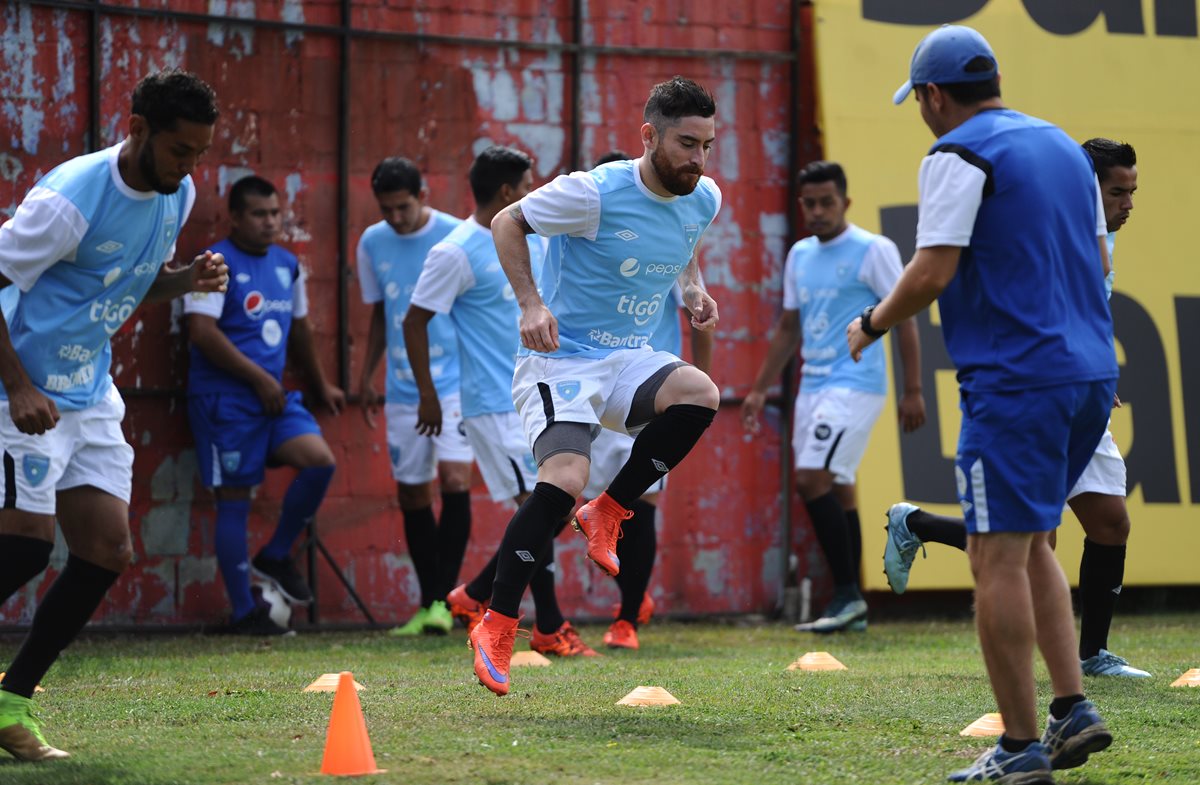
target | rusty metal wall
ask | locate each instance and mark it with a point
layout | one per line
(313, 93)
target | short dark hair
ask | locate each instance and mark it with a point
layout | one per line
(675, 99)
(611, 156)
(494, 168)
(396, 174)
(970, 93)
(250, 185)
(1107, 153)
(823, 172)
(171, 95)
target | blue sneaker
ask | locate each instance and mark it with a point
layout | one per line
(842, 613)
(1108, 664)
(901, 547)
(1027, 767)
(1073, 738)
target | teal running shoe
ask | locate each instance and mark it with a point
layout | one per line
(901, 547)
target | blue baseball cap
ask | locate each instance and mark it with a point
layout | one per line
(942, 57)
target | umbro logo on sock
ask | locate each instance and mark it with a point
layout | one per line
(662, 467)
(525, 556)
(1117, 590)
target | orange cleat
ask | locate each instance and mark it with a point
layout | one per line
(564, 642)
(468, 610)
(621, 635)
(645, 610)
(492, 639)
(600, 521)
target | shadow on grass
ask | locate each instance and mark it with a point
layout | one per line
(70, 772)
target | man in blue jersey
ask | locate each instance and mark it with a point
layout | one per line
(463, 279)
(390, 258)
(1010, 240)
(84, 248)
(242, 417)
(829, 278)
(1098, 498)
(621, 235)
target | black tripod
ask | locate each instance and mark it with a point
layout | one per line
(312, 545)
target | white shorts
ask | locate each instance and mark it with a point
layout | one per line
(1105, 473)
(610, 451)
(504, 458)
(86, 447)
(831, 430)
(584, 389)
(415, 457)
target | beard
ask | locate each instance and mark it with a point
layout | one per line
(149, 170)
(676, 180)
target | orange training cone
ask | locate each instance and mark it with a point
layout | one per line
(817, 661)
(1188, 679)
(990, 724)
(347, 746)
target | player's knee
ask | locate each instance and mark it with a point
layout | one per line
(698, 390)
(1110, 530)
(813, 483)
(454, 477)
(414, 497)
(567, 471)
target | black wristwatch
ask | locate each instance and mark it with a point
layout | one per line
(866, 323)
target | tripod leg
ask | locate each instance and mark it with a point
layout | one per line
(337, 570)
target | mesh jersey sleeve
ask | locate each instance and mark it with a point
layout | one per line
(204, 303)
(881, 267)
(300, 294)
(445, 276)
(367, 282)
(46, 228)
(1101, 218)
(951, 190)
(569, 204)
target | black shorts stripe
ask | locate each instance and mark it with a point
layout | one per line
(10, 482)
(520, 477)
(547, 402)
(833, 448)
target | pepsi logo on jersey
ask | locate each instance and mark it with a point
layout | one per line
(256, 305)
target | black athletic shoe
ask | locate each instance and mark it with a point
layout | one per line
(285, 576)
(257, 623)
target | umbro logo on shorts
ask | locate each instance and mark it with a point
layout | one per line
(525, 556)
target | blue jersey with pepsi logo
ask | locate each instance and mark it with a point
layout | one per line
(82, 251)
(389, 265)
(616, 250)
(255, 314)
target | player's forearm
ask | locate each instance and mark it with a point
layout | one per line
(416, 342)
(169, 284)
(784, 341)
(509, 231)
(910, 355)
(690, 281)
(220, 351)
(304, 350)
(925, 277)
(702, 348)
(12, 372)
(376, 345)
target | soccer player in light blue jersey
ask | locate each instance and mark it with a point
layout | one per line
(463, 279)
(1009, 205)
(390, 258)
(829, 278)
(242, 417)
(85, 247)
(621, 236)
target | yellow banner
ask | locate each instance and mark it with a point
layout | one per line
(1124, 69)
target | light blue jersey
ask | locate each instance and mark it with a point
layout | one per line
(82, 251)
(389, 265)
(1111, 241)
(616, 250)
(830, 283)
(669, 335)
(463, 278)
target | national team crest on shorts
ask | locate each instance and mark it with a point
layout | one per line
(36, 467)
(568, 390)
(394, 454)
(230, 461)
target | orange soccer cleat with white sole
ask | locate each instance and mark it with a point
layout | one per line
(462, 607)
(493, 639)
(600, 521)
(621, 635)
(563, 642)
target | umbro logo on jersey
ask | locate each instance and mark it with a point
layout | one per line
(243, 278)
(110, 246)
(627, 234)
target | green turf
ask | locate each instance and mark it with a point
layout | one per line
(206, 710)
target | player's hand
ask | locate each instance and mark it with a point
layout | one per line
(270, 392)
(912, 411)
(703, 309)
(1116, 401)
(209, 273)
(31, 412)
(857, 339)
(371, 402)
(332, 398)
(751, 408)
(429, 416)
(539, 329)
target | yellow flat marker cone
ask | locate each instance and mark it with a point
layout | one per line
(529, 659)
(989, 724)
(37, 688)
(648, 696)
(328, 682)
(817, 661)
(1189, 679)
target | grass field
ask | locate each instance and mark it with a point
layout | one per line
(207, 710)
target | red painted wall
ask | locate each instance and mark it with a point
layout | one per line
(720, 547)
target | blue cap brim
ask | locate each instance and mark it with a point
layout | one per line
(902, 93)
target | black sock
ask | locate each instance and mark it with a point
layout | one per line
(420, 532)
(1101, 573)
(829, 523)
(663, 443)
(61, 614)
(480, 587)
(636, 551)
(938, 528)
(1014, 745)
(21, 560)
(453, 531)
(541, 586)
(1060, 707)
(854, 534)
(526, 536)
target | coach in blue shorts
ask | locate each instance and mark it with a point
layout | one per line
(242, 417)
(1011, 240)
